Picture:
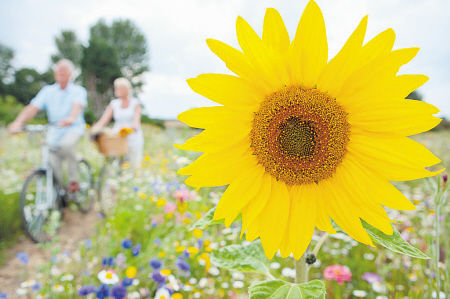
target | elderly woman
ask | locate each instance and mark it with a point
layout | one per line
(126, 112)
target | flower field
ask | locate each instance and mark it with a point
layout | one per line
(159, 241)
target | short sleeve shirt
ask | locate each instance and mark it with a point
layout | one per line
(58, 103)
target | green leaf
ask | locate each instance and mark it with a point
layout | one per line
(248, 257)
(393, 242)
(206, 220)
(279, 289)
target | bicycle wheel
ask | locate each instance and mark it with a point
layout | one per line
(40, 207)
(85, 197)
(107, 187)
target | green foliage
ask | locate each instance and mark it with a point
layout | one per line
(68, 47)
(6, 57)
(27, 83)
(248, 257)
(129, 46)
(394, 242)
(10, 223)
(9, 108)
(99, 64)
(279, 289)
(206, 220)
(153, 121)
(89, 116)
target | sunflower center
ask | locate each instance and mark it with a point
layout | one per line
(300, 135)
(297, 137)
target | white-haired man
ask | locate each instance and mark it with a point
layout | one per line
(64, 103)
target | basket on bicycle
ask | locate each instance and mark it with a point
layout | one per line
(111, 145)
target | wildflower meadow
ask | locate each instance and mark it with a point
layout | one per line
(160, 241)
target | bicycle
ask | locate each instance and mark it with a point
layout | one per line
(113, 148)
(42, 197)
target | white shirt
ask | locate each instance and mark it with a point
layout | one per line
(123, 118)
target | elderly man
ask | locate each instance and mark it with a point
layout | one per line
(64, 103)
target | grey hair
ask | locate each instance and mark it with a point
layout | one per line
(122, 82)
(65, 62)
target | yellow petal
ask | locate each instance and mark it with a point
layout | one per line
(258, 55)
(234, 59)
(252, 210)
(309, 50)
(360, 82)
(323, 221)
(344, 213)
(274, 217)
(209, 116)
(218, 169)
(360, 196)
(302, 222)
(275, 34)
(404, 118)
(226, 90)
(344, 63)
(392, 150)
(378, 188)
(240, 192)
(378, 46)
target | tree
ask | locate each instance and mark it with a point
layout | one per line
(6, 69)
(68, 47)
(130, 47)
(27, 83)
(100, 68)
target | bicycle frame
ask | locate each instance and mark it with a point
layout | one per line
(46, 203)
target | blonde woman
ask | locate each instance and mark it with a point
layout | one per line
(126, 112)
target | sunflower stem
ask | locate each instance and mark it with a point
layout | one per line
(301, 270)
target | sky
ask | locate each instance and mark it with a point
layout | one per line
(176, 31)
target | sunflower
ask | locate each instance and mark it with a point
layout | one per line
(301, 140)
(125, 131)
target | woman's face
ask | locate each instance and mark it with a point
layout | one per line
(120, 91)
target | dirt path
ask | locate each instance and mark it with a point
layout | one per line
(75, 228)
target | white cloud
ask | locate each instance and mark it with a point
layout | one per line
(177, 29)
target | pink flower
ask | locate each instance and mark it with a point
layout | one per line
(170, 207)
(337, 272)
(182, 194)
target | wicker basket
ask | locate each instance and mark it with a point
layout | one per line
(112, 145)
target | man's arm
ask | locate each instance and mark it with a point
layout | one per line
(76, 109)
(24, 116)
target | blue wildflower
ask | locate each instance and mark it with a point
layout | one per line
(118, 292)
(157, 242)
(155, 264)
(3, 295)
(126, 282)
(158, 277)
(199, 243)
(88, 244)
(36, 286)
(23, 257)
(108, 261)
(186, 254)
(127, 243)
(102, 292)
(135, 189)
(183, 265)
(136, 250)
(86, 290)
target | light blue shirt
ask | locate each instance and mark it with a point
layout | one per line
(58, 103)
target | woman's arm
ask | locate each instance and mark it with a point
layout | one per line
(137, 117)
(105, 119)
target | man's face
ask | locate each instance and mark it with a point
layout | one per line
(62, 75)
